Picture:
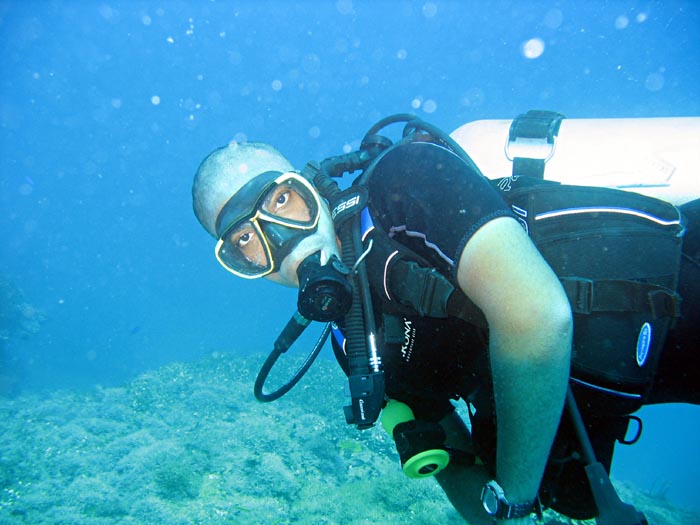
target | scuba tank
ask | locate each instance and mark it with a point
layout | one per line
(657, 157)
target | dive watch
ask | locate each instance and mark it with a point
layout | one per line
(493, 498)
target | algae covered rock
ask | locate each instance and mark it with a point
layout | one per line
(189, 444)
(18, 318)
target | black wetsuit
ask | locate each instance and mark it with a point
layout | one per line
(433, 212)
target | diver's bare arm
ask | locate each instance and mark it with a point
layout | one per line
(530, 331)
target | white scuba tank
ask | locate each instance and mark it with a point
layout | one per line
(659, 157)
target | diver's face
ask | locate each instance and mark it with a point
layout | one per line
(324, 239)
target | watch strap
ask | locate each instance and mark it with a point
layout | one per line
(507, 511)
(504, 509)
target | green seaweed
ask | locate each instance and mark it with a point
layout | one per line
(189, 444)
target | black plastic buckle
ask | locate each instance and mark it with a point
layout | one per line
(580, 292)
(664, 303)
(434, 294)
(424, 289)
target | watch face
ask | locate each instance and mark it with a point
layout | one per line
(490, 500)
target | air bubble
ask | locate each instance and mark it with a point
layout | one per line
(533, 48)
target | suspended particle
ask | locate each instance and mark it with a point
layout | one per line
(430, 106)
(430, 9)
(654, 82)
(621, 22)
(344, 7)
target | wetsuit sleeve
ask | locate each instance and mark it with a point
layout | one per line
(432, 201)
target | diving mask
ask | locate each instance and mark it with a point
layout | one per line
(264, 221)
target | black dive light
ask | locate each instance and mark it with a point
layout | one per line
(325, 293)
(420, 444)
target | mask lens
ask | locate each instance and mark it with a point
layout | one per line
(291, 202)
(245, 251)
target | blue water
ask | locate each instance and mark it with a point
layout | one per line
(107, 108)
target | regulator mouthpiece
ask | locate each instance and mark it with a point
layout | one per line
(420, 444)
(325, 293)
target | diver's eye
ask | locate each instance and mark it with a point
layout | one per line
(243, 235)
(281, 201)
(244, 239)
(250, 246)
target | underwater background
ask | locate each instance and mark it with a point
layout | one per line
(127, 355)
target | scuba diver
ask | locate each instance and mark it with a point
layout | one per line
(439, 284)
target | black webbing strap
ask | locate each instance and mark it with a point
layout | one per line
(535, 130)
(431, 294)
(587, 296)
(426, 290)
